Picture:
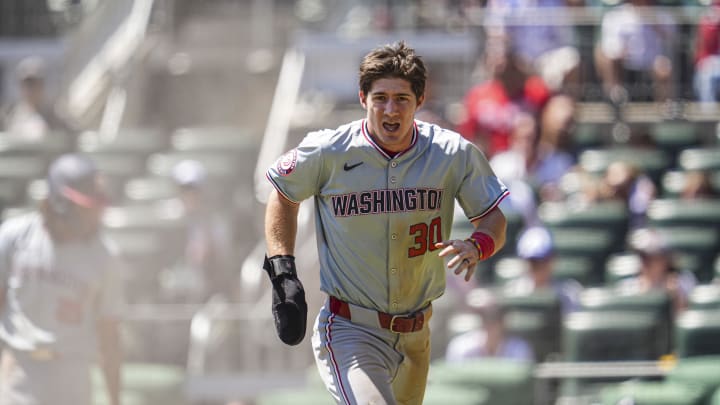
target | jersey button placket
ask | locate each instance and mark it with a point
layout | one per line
(393, 276)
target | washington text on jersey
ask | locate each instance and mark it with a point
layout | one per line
(387, 201)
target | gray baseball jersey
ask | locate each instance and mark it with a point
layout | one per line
(378, 217)
(54, 293)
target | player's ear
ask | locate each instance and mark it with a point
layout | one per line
(420, 102)
(363, 99)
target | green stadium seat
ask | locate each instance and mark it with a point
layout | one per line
(22, 168)
(593, 244)
(673, 182)
(221, 168)
(695, 247)
(233, 142)
(228, 139)
(674, 136)
(54, 144)
(697, 333)
(505, 381)
(702, 371)
(536, 317)
(509, 268)
(16, 172)
(705, 296)
(651, 393)
(590, 135)
(136, 141)
(611, 216)
(653, 162)
(700, 159)
(620, 266)
(609, 299)
(610, 336)
(715, 400)
(578, 268)
(657, 304)
(444, 394)
(677, 212)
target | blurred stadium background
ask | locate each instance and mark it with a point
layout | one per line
(235, 83)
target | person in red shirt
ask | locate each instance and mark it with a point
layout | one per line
(707, 55)
(492, 106)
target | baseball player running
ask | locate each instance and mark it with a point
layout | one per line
(384, 190)
(59, 294)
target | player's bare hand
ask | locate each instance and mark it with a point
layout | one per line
(465, 256)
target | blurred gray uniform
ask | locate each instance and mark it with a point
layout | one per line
(378, 218)
(54, 292)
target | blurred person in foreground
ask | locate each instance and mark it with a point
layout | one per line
(204, 267)
(384, 189)
(33, 117)
(60, 294)
(535, 246)
(491, 338)
(657, 269)
(493, 106)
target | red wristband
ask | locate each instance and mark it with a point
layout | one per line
(484, 244)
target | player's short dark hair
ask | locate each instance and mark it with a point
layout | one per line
(393, 61)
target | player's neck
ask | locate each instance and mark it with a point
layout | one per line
(390, 153)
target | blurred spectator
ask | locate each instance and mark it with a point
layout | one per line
(707, 55)
(535, 245)
(623, 181)
(534, 153)
(492, 106)
(698, 185)
(557, 125)
(33, 117)
(635, 47)
(490, 339)
(205, 266)
(657, 269)
(515, 167)
(548, 48)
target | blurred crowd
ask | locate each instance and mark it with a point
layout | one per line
(535, 69)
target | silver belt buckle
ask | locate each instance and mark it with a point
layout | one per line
(392, 323)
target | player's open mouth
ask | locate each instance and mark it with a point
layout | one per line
(391, 127)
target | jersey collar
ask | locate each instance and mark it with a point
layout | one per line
(366, 134)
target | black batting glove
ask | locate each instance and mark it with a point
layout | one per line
(288, 303)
